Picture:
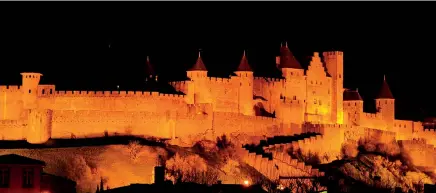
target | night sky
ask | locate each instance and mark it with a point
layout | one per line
(69, 42)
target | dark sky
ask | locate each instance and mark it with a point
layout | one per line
(68, 42)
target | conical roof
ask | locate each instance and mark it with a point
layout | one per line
(385, 91)
(243, 65)
(199, 65)
(287, 59)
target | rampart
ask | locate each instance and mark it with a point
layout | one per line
(373, 120)
(279, 164)
(112, 101)
(420, 152)
(13, 130)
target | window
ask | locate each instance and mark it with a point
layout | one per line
(28, 178)
(4, 177)
(30, 91)
(295, 98)
(43, 91)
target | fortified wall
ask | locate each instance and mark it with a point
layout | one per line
(311, 100)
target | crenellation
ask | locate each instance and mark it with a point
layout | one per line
(301, 102)
(9, 88)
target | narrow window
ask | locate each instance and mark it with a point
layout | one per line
(4, 177)
(28, 178)
(43, 91)
(30, 91)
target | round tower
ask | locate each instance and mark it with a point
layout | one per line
(198, 87)
(245, 93)
(385, 104)
(29, 88)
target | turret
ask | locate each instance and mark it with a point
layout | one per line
(198, 70)
(295, 84)
(245, 98)
(353, 106)
(334, 62)
(385, 104)
(29, 87)
(197, 88)
(288, 64)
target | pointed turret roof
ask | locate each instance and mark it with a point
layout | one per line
(287, 59)
(352, 95)
(199, 65)
(385, 91)
(243, 65)
(149, 70)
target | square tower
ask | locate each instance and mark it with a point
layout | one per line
(334, 61)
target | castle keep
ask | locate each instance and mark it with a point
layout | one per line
(302, 100)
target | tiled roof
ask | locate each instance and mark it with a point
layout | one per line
(14, 159)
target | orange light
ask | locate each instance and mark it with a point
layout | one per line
(246, 182)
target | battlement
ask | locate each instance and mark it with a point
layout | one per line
(269, 80)
(246, 117)
(371, 115)
(10, 88)
(111, 94)
(182, 82)
(332, 53)
(11, 122)
(219, 80)
(347, 126)
(290, 101)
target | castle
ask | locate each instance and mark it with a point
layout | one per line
(206, 106)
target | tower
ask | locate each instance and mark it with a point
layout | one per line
(197, 87)
(353, 106)
(29, 88)
(385, 104)
(245, 94)
(288, 64)
(335, 67)
(293, 73)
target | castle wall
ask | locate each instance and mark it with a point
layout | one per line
(89, 123)
(11, 103)
(405, 129)
(421, 153)
(228, 123)
(373, 120)
(12, 130)
(353, 111)
(291, 112)
(295, 84)
(270, 89)
(111, 101)
(224, 93)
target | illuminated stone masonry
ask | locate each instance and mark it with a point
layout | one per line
(206, 107)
